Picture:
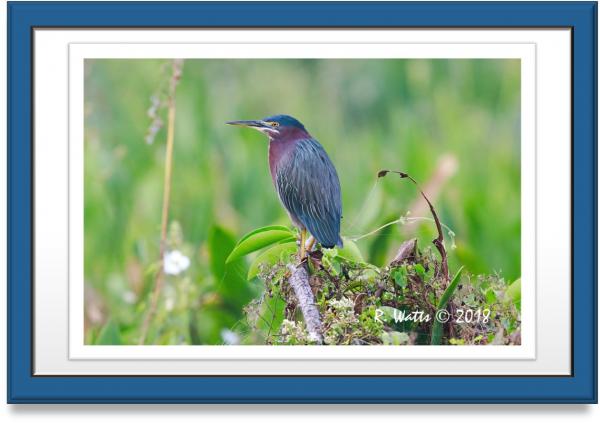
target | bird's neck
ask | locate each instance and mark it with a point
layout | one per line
(281, 145)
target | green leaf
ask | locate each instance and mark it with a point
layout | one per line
(272, 314)
(270, 257)
(258, 240)
(350, 251)
(436, 328)
(399, 276)
(110, 334)
(288, 239)
(513, 293)
(336, 266)
(420, 270)
(220, 243)
(490, 296)
(230, 277)
(267, 228)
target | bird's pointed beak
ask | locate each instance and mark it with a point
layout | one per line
(253, 124)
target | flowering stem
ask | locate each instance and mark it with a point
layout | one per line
(158, 283)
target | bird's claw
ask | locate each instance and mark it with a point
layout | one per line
(303, 261)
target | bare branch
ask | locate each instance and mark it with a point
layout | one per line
(299, 281)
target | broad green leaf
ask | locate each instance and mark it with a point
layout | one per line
(267, 228)
(109, 335)
(230, 277)
(288, 239)
(350, 251)
(270, 257)
(256, 242)
(436, 328)
(220, 243)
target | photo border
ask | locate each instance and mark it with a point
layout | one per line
(579, 387)
(524, 52)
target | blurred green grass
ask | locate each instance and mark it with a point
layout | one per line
(368, 114)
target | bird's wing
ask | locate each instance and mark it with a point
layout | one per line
(309, 188)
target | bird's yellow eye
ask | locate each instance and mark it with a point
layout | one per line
(274, 124)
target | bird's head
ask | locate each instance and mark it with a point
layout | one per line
(274, 126)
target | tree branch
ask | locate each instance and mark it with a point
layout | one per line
(299, 280)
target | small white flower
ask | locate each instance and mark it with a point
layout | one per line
(229, 337)
(129, 297)
(169, 304)
(175, 262)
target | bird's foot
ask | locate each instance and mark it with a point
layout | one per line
(303, 261)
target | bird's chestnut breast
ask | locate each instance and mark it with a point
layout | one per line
(281, 147)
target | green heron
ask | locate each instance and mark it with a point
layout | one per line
(305, 179)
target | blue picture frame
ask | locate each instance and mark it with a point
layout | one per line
(579, 387)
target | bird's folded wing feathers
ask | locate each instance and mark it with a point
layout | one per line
(309, 188)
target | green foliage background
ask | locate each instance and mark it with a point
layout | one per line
(368, 114)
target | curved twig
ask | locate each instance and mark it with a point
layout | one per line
(437, 242)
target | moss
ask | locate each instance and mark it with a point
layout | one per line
(395, 305)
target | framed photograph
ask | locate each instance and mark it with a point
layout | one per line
(302, 202)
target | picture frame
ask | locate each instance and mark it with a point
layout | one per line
(24, 386)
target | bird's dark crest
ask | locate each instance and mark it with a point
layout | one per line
(285, 121)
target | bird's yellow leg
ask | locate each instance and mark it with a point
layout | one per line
(310, 243)
(302, 242)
